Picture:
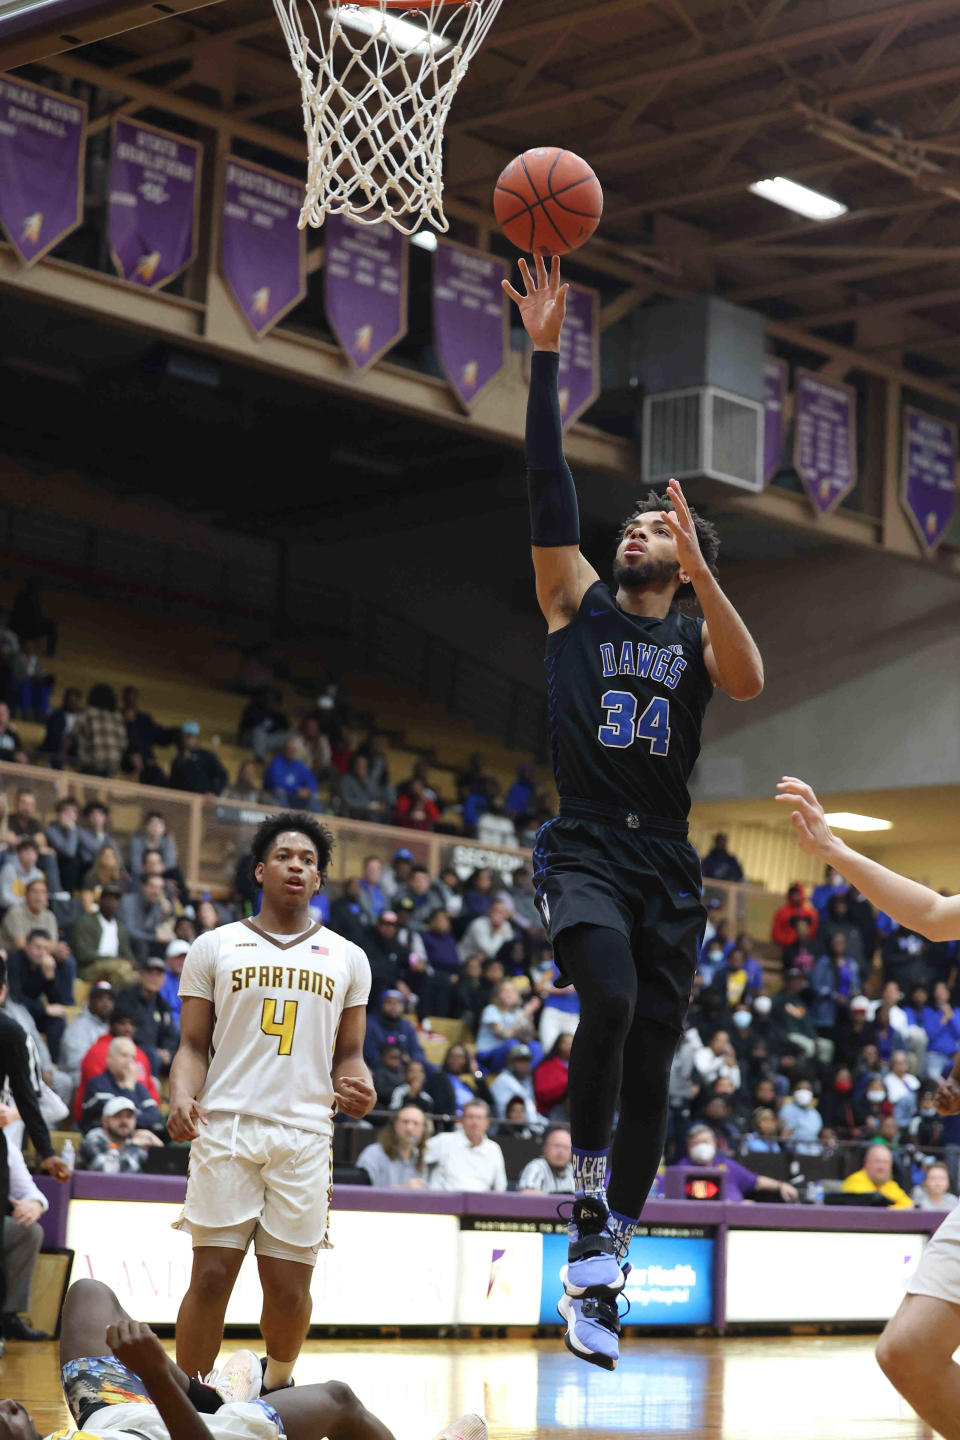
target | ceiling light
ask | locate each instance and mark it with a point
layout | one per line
(425, 239)
(809, 203)
(844, 820)
(409, 38)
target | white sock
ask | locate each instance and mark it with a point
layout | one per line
(277, 1373)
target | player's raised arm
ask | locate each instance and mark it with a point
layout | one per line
(563, 575)
(909, 903)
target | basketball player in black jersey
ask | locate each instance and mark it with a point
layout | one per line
(629, 678)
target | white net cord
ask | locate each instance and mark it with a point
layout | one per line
(377, 85)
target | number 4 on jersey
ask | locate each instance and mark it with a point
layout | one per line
(622, 728)
(282, 1028)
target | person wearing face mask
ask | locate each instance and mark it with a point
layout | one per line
(741, 1019)
(872, 1106)
(711, 959)
(799, 1120)
(740, 1182)
(926, 1127)
(934, 1192)
(836, 1104)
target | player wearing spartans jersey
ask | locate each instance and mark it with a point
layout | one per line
(119, 1385)
(272, 1029)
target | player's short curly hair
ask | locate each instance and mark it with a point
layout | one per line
(302, 824)
(707, 533)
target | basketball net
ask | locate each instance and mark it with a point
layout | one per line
(377, 84)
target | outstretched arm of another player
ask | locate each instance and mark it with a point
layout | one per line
(909, 903)
(352, 1081)
(563, 575)
(189, 1069)
(729, 651)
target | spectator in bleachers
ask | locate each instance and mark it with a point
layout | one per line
(920, 1013)
(837, 1104)
(551, 1078)
(701, 1149)
(397, 874)
(34, 684)
(876, 1177)
(105, 871)
(58, 746)
(11, 746)
(196, 769)
(516, 1081)
(148, 915)
(50, 1084)
(95, 1061)
(443, 957)
(838, 921)
(717, 1058)
(388, 1022)
(117, 1146)
(791, 1015)
(872, 1104)
(388, 1071)
(374, 897)
(143, 732)
(389, 960)
(494, 826)
(22, 1238)
(833, 883)
(173, 958)
(719, 864)
(95, 832)
(120, 1077)
(155, 1031)
(413, 1090)
(520, 898)
(458, 1081)
(854, 1029)
(472, 778)
(290, 781)
(561, 1008)
(943, 1032)
(316, 748)
(905, 957)
(710, 962)
(153, 836)
(24, 822)
(264, 726)
(88, 1027)
(926, 1127)
(420, 895)
(802, 952)
(478, 893)
(902, 1088)
(421, 773)
(732, 982)
(100, 734)
(465, 1158)
(207, 918)
(63, 836)
(506, 1021)
(347, 915)
(783, 932)
(487, 934)
(31, 913)
(19, 868)
(27, 618)
(800, 1120)
(514, 1122)
(395, 1160)
(102, 941)
(551, 1172)
(361, 798)
(934, 1192)
(247, 787)
(153, 866)
(43, 985)
(764, 1138)
(450, 891)
(521, 797)
(834, 980)
(414, 810)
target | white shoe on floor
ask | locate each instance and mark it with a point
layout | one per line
(238, 1378)
(466, 1427)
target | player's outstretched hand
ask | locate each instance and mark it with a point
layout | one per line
(679, 522)
(814, 835)
(184, 1120)
(543, 306)
(136, 1346)
(947, 1098)
(355, 1096)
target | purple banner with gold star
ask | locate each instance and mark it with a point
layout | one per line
(928, 484)
(262, 252)
(152, 219)
(365, 287)
(470, 325)
(578, 379)
(42, 139)
(824, 447)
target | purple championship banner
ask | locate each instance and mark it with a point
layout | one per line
(154, 193)
(365, 287)
(928, 478)
(470, 324)
(578, 379)
(776, 374)
(42, 151)
(262, 252)
(824, 447)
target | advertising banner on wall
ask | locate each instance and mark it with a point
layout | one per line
(671, 1282)
(42, 148)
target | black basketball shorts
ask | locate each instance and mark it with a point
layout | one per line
(630, 873)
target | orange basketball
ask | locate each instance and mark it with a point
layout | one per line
(548, 201)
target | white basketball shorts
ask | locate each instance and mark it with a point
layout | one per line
(253, 1178)
(938, 1273)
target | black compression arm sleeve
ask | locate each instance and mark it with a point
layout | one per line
(554, 514)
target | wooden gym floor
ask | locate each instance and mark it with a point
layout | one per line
(794, 1388)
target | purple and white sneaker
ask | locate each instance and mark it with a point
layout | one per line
(593, 1327)
(595, 1255)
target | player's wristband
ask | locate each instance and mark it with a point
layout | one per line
(554, 513)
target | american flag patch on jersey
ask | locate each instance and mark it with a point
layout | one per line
(319, 949)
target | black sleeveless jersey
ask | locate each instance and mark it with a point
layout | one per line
(627, 696)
